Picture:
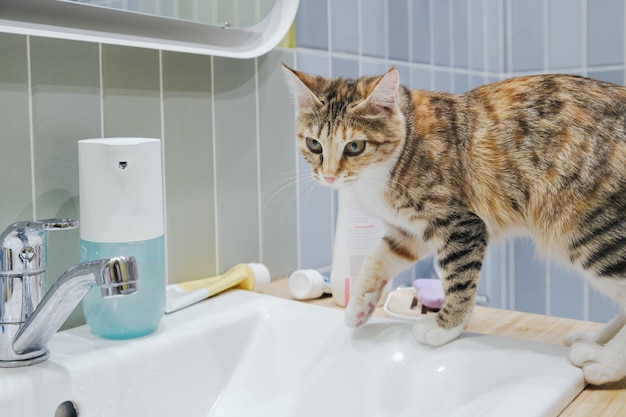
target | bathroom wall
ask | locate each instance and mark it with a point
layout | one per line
(227, 128)
(236, 190)
(454, 46)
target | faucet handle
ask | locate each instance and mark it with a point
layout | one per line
(23, 244)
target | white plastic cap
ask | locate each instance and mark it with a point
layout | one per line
(306, 284)
(262, 277)
(121, 189)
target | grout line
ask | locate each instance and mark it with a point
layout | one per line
(511, 250)
(298, 189)
(468, 71)
(258, 157)
(584, 39)
(548, 277)
(214, 140)
(469, 43)
(509, 36)
(431, 44)
(409, 12)
(359, 28)
(101, 75)
(329, 23)
(163, 174)
(546, 37)
(386, 25)
(546, 68)
(502, 37)
(503, 276)
(31, 127)
(485, 41)
(451, 45)
(330, 72)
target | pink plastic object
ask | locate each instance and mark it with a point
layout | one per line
(429, 292)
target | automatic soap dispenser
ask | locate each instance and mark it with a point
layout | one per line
(121, 214)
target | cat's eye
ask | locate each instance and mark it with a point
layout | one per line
(314, 145)
(354, 148)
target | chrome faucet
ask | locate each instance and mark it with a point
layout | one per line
(28, 318)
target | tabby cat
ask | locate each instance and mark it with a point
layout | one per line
(544, 154)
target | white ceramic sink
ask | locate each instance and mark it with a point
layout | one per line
(247, 354)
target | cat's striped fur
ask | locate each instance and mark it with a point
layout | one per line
(542, 154)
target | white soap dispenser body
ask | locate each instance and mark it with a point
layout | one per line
(121, 213)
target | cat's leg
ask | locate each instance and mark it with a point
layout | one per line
(601, 363)
(460, 259)
(396, 252)
(599, 337)
(602, 354)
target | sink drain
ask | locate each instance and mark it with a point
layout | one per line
(66, 409)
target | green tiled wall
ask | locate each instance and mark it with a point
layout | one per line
(227, 130)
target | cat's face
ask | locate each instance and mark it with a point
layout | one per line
(348, 130)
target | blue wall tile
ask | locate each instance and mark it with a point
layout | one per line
(420, 21)
(461, 83)
(398, 24)
(612, 76)
(605, 32)
(421, 78)
(441, 34)
(316, 226)
(373, 28)
(373, 67)
(313, 62)
(460, 34)
(312, 24)
(528, 36)
(601, 309)
(494, 279)
(344, 26)
(442, 81)
(567, 292)
(345, 67)
(476, 35)
(494, 37)
(565, 37)
(530, 282)
(477, 80)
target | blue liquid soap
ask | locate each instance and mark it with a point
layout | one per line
(131, 315)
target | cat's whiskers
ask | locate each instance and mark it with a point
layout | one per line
(307, 185)
(282, 185)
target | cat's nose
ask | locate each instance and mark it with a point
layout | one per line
(330, 180)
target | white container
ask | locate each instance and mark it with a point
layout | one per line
(307, 284)
(357, 233)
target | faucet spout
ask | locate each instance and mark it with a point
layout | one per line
(115, 276)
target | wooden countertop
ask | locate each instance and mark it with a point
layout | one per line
(604, 401)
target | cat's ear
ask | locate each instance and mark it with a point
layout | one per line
(305, 99)
(385, 94)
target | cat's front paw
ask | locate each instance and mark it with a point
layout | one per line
(428, 332)
(597, 367)
(360, 309)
